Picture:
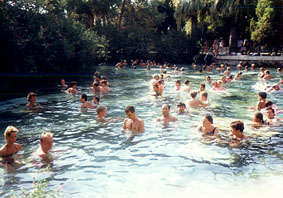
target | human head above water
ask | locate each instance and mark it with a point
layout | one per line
(84, 97)
(262, 95)
(238, 126)
(10, 134)
(31, 97)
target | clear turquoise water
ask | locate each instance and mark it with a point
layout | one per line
(98, 161)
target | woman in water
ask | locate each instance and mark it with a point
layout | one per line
(31, 99)
(237, 134)
(208, 129)
(10, 148)
(258, 121)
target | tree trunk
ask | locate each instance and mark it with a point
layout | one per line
(233, 39)
(121, 14)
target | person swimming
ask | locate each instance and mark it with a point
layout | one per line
(267, 75)
(178, 85)
(195, 103)
(158, 88)
(181, 108)
(10, 148)
(63, 84)
(237, 134)
(31, 102)
(73, 88)
(133, 123)
(207, 128)
(204, 98)
(96, 89)
(258, 120)
(104, 87)
(95, 101)
(46, 144)
(187, 88)
(166, 117)
(85, 104)
(101, 114)
(262, 101)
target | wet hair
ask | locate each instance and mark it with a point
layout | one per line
(84, 96)
(237, 125)
(208, 77)
(100, 109)
(130, 109)
(187, 82)
(202, 85)
(262, 95)
(268, 104)
(73, 83)
(9, 130)
(30, 95)
(194, 94)
(167, 105)
(205, 94)
(181, 104)
(178, 81)
(231, 76)
(97, 98)
(45, 135)
(96, 84)
(259, 116)
(267, 72)
(209, 118)
(270, 108)
(103, 82)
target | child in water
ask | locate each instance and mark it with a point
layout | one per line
(46, 143)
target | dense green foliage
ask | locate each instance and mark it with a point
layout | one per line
(73, 35)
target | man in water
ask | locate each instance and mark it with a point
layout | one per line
(262, 100)
(195, 103)
(101, 114)
(73, 88)
(46, 143)
(132, 122)
(166, 117)
(85, 103)
(181, 108)
(237, 132)
(31, 99)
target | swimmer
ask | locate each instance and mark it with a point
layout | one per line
(178, 85)
(133, 123)
(273, 88)
(262, 101)
(63, 84)
(208, 129)
(238, 76)
(96, 89)
(158, 88)
(201, 88)
(104, 87)
(204, 97)
(208, 80)
(253, 67)
(280, 70)
(46, 143)
(246, 68)
(85, 103)
(261, 72)
(267, 75)
(95, 101)
(10, 148)
(73, 88)
(227, 71)
(237, 133)
(187, 88)
(182, 109)
(257, 120)
(31, 99)
(155, 79)
(101, 114)
(166, 117)
(195, 103)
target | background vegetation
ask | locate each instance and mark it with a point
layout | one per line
(47, 36)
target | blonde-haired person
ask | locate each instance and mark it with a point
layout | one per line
(46, 143)
(10, 148)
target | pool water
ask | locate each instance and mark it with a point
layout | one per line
(97, 160)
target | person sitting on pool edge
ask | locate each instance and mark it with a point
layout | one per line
(10, 148)
(237, 133)
(46, 143)
(73, 88)
(208, 129)
(133, 123)
(85, 103)
(166, 117)
(31, 102)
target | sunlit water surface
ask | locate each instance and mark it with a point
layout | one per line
(96, 160)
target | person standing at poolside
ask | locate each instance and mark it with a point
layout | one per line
(133, 123)
(166, 117)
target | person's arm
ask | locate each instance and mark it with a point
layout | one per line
(141, 127)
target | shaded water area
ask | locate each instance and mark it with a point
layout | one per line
(96, 160)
